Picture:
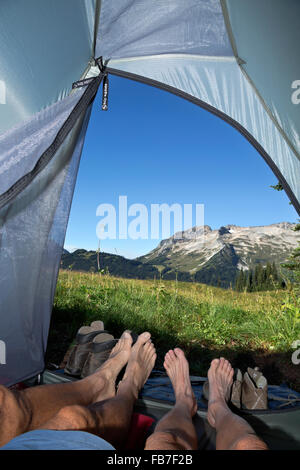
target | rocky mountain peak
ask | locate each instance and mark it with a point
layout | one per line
(239, 247)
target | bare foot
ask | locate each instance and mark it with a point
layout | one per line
(220, 377)
(177, 368)
(103, 380)
(141, 362)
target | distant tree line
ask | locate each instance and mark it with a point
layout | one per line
(259, 279)
(293, 263)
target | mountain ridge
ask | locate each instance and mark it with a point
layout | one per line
(211, 256)
(227, 249)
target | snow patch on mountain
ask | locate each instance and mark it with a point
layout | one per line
(192, 249)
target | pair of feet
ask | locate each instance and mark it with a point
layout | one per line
(220, 377)
(140, 359)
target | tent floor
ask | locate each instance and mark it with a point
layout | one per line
(280, 429)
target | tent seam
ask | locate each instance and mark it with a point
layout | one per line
(176, 55)
(83, 103)
(96, 24)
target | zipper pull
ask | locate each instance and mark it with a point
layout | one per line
(105, 93)
(87, 81)
(99, 62)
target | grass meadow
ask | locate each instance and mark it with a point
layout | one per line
(206, 322)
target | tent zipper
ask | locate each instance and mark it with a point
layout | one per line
(80, 108)
(87, 81)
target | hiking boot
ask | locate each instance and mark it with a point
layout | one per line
(236, 389)
(97, 325)
(80, 351)
(100, 350)
(254, 390)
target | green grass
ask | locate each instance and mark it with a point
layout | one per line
(247, 328)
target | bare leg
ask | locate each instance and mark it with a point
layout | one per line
(26, 410)
(111, 418)
(176, 431)
(233, 432)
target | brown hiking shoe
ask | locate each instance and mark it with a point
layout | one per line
(99, 353)
(236, 389)
(100, 350)
(97, 325)
(80, 351)
(254, 390)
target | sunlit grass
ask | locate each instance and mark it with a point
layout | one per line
(201, 319)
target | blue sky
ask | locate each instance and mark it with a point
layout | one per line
(155, 147)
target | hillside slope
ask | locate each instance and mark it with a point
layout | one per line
(216, 256)
(82, 260)
(212, 257)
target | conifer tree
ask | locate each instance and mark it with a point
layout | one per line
(293, 263)
(274, 272)
(240, 281)
(268, 282)
(260, 277)
(243, 280)
(249, 283)
(256, 285)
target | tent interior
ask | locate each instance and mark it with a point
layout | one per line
(235, 58)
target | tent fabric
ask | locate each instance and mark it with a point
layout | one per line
(270, 65)
(159, 387)
(138, 28)
(235, 58)
(22, 146)
(32, 232)
(45, 46)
